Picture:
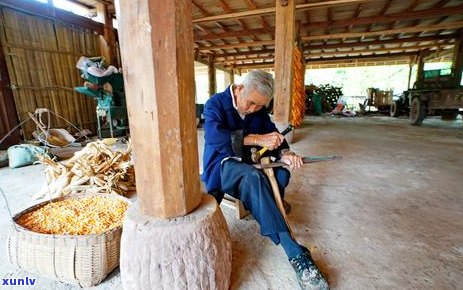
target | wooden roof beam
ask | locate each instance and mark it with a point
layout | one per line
(382, 13)
(379, 50)
(346, 53)
(354, 16)
(206, 13)
(238, 45)
(452, 25)
(389, 56)
(309, 48)
(264, 23)
(428, 13)
(230, 34)
(243, 25)
(200, 8)
(271, 10)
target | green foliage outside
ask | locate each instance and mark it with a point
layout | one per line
(329, 96)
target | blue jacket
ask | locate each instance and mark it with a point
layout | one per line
(223, 125)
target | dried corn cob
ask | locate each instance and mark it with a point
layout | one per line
(76, 216)
(298, 93)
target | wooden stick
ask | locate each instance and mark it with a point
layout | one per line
(276, 192)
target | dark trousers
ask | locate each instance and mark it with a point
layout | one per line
(252, 188)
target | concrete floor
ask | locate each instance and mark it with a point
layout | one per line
(387, 216)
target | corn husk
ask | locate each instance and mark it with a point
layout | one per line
(97, 168)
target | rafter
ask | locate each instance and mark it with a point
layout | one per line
(229, 34)
(355, 15)
(307, 49)
(382, 13)
(422, 14)
(442, 3)
(414, 29)
(355, 20)
(452, 25)
(413, 6)
(251, 5)
(388, 57)
(238, 45)
(271, 10)
(381, 50)
(200, 8)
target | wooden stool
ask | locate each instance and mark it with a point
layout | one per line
(231, 202)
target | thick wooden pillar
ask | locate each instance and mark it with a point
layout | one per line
(211, 74)
(157, 54)
(284, 46)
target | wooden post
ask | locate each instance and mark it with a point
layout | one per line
(8, 115)
(232, 76)
(157, 54)
(284, 46)
(458, 59)
(108, 39)
(410, 68)
(211, 74)
(229, 77)
(420, 65)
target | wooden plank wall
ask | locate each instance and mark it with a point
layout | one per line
(41, 55)
(8, 118)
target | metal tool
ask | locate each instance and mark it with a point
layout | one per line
(308, 159)
(255, 155)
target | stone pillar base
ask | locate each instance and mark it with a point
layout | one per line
(190, 252)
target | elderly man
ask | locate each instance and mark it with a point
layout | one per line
(235, 121)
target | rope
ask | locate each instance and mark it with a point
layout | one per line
(48, 127)
(9, 210)
(12, 130)
(78, 129)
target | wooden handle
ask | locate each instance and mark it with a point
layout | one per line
(276, 192)
(262, 151)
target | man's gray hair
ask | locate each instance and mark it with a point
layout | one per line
(258, 80)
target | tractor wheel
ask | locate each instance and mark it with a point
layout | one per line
(449, 114)
(394, 110)
(417, 111)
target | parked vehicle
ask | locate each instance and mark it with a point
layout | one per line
(435, 92)
(400, 105)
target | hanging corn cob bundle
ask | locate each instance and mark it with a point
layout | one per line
(298, 94)
(95, 169)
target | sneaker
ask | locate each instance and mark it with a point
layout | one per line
(286, 206)
(308, 274)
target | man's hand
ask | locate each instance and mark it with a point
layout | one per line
(292, 159)
(271, 140)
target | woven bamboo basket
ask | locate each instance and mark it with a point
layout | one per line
(84, 260)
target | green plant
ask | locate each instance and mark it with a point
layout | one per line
(330, 95)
